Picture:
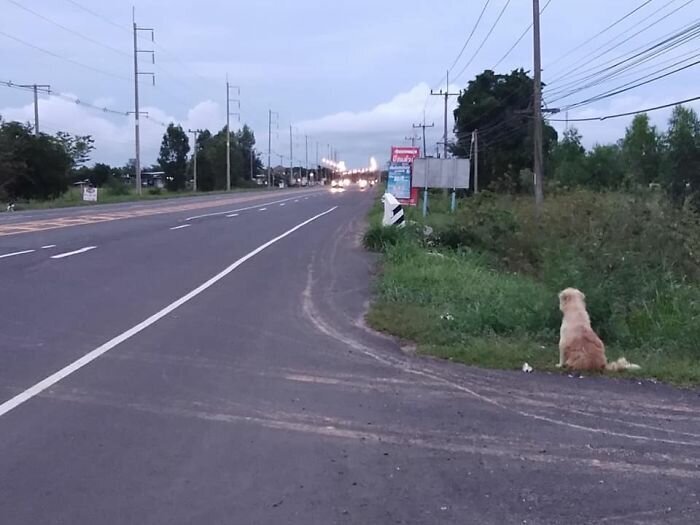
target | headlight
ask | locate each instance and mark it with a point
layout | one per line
(363, 183)
(346, 182)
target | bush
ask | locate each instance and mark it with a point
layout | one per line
(635, 256)
(114, 186)
(155, 191)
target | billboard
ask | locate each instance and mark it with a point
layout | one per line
(399, 181)
(400, 154)
(441, 173)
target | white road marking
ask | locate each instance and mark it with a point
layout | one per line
(238, 210)
(283, 204)
(232, 215)
(48, 246)
(262, 209)
(76, 365)
(16, 253)
(76, 252)
(296, 200)
(180, 227)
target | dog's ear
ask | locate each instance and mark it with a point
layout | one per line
(564, 296)
(567, 295)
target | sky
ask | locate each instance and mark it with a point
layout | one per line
(354, 76)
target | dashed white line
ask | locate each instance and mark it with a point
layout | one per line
(232, 215)
(76, 252)
(16, 253)
(262, 209)
(239, 209)
(296, 200)
(69, 369)
(48, 246)
(180, 227)
(283, 204)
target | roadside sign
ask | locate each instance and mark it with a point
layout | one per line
(89, 194)
(401, 154)
(399, 181)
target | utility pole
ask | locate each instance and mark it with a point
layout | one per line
(252, 155)
(137, 112)
(195, 133)
(318, 166)
(291, 153)
(412, 139)
(447, 95)
(269, 144)
(44, 88)
(475, 141)
(423, 126)
(228, 128)
(306, 140)
(537, 106)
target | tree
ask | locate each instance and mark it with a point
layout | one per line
(100, 174)
(500, 108)
(605, 167)
(78, 147)
(568, 160)
(682, 155)
(211, 158)
(173, 157)
(641, 151)
(32, 167)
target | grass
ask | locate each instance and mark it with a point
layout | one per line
(482, 289)
(74, 198)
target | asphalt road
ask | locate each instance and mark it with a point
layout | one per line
(208, 364)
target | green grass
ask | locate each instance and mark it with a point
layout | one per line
(488, 296)
(73, 198)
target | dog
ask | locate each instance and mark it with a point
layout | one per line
(580, 348)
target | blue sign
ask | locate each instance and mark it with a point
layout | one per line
(399, 181)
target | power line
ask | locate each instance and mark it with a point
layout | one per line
(469, 38)
(61, 57)
(498, 19)
(655, 50)
(603, 31)
(98, 15)
(162, 48)
(683, 58)
(616, 46)
(464, 47)
(669, 41)
(628, 87)
(79, 102)
(524, 33)
(628, 113)
(68, 29)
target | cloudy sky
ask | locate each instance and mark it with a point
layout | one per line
(355, 75)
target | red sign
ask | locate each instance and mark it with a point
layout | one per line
(401, 154)
(413, 201)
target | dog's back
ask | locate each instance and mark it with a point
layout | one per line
(580, 346)
(583, 349)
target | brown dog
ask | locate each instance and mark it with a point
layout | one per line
(580, 348)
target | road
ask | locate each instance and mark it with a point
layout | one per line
(205, 362)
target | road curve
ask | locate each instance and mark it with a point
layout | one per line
(211, 366)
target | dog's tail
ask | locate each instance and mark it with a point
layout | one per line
(621, 365)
